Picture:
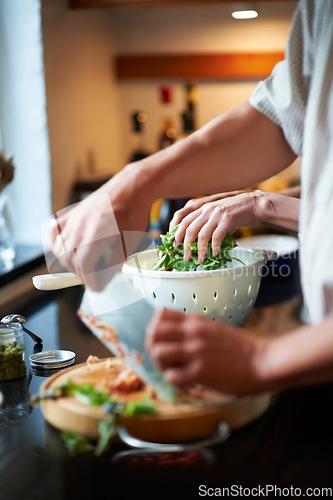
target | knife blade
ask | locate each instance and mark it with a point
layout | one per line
(121, 307)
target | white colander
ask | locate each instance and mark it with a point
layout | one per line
(224, 294)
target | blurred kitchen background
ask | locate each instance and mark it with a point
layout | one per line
(74, 109)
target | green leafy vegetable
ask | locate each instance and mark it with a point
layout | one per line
(87, 394)
(107, 429)
(144, 407)
(77, 444)
(172, 258)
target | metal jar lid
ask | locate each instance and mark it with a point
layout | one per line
(51, 360)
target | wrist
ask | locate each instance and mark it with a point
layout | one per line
(297, 358)
(148, 177)
(278, 210)
(137, 182)
(263, 205)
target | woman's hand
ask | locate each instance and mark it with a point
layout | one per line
(194, 349)
(210, 218)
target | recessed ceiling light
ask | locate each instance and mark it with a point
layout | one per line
(244, 10)
(244, 14)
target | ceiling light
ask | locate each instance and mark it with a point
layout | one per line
(244, 11)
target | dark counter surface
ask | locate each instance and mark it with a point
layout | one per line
(289, 447)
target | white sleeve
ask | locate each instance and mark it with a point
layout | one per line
(282, 97)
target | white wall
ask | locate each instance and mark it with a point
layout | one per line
(23, 117)
(89, 111)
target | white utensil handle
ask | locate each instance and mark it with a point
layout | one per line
(56, 281)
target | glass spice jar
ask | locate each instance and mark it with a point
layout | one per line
(12, 352)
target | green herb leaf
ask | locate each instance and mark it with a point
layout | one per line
(144, 407)
(76, 444)
(171, 258)
(107, 429)
(87, 394)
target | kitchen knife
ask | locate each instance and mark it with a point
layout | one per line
(118, 315)
(121, 307)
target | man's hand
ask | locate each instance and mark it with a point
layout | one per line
(213, 219)
(194, 349)
(94, 237)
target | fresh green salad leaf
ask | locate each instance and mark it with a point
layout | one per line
(107, 430)
(76, 444)
(172, 258)
(87, 394)
(144, 407)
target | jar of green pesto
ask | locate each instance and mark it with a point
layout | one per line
(12, 352)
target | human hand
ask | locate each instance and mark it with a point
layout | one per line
(93, 238)
(211, 217)
(194, 349)
(196, 203)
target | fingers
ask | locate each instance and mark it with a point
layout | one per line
(192, 348)
(205, 224)
(182, 375)
(187, 232)
(64, 253)
(164, 325)
(197, 203)
(189, 207)
(211, 221)
(86, 240)
(169, 354)
(201, 229)
(170, 343)
(164, 339)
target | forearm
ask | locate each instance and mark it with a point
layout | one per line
(278, 210)
(302, 357)
(235, 150)
(294, 191)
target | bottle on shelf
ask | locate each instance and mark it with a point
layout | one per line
(169, 132)
(189, 116)
(168, 135)
(139, 118)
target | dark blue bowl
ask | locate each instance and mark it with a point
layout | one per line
(280, 278)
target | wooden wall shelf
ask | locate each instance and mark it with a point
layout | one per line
(239, 66)
(143, 4)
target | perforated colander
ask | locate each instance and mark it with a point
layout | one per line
(223, 294)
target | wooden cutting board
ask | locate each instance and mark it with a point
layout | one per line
(173, 423)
